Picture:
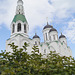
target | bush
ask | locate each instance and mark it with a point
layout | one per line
(21, 63)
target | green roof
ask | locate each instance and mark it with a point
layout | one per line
(62, 43)
(19, 34)
(56, 41)
(19, 17)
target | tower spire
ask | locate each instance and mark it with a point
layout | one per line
(19, 23)
(19, 8)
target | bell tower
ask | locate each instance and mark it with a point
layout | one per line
(19, 24)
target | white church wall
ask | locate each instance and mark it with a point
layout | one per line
(8, 48)
(55, 46)
(44, 49)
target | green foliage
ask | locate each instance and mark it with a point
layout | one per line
(19, 62)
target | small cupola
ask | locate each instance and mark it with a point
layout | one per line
(62, 39)
(62, 36)
(36, 39)
(36, 36)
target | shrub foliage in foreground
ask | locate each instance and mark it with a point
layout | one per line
(21, 63)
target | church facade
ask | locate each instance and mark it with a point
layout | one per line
(19, 35)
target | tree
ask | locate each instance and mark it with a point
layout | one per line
(19, 62)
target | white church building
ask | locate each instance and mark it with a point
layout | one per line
(19, 35)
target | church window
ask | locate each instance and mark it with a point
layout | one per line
(45, 51)
(50, 38)
(46, 36)
(19, 12)
(39, 42)
(19, 27)
(24, 28)
(13, 28)
(54, 37)
(35, 43)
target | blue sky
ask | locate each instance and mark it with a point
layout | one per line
(60, 13)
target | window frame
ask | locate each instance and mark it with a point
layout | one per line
(19, 27)
(13, 28)
(25, 31)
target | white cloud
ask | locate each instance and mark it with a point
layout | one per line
(7, 9)
(70, 31)
(36, 11)
(63, 8)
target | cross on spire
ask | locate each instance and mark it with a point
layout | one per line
(35, 31)
(47, 20)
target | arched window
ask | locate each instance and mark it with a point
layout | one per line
(39, 42)
(50, 38)
(19, 27)
(24, 28)
(46, 36)
(13, 28)
(44, 50)
(54, 37)
(35, 43)
(19, 12)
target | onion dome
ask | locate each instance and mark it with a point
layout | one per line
(20, 1)
(62, 36)
(53, 29)
(36, 36)
(47, 26)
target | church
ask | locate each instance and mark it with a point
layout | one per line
(19, 35)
